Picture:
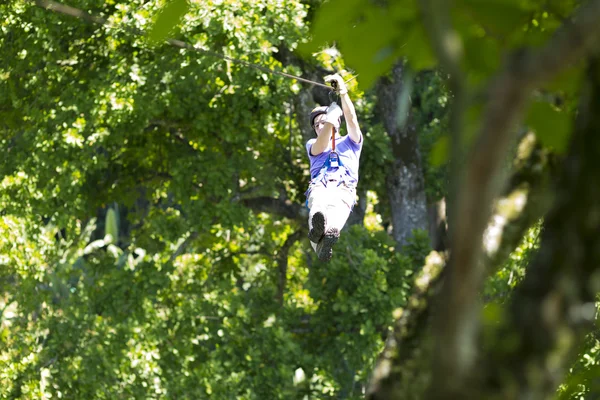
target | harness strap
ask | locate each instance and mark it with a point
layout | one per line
(333, 141)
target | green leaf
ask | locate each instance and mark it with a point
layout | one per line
(369, 49)
(492, 314)
(168, 18)
(440, 151)
(111, 226)
(416, 48)
(364, 33)
(550, 125)
(482, 57)
(371, 37)
(569, 81)
(497, 17)
(330, 21)
(4, 335)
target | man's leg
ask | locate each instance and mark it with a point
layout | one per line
(339, 205)
(317, 219)
(338, 210)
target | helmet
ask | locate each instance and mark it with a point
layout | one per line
(315, 113)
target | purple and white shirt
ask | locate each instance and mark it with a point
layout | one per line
(349, 154)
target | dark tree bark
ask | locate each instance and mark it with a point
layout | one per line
(282, 257)
(405, 181)
(357, 216)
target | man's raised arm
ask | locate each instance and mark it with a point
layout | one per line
(348, 108)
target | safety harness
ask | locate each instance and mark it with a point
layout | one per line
(333, 170)
(333, 161)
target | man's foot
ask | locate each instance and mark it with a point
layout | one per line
(325, 246)
(318, 227)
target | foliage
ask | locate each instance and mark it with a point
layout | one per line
(354, 296)
(582, 381)
(111, 323)
(130, 268)
(511, 273)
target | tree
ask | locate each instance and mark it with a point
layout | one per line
(153, 232)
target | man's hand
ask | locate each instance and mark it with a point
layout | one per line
(347, 107)
(334, 115)
(339, 81)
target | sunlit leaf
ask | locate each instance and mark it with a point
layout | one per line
(168, 18)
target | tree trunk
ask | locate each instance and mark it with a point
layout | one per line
(405, 181)
(357, 217)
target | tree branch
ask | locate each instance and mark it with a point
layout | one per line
(282, 262)
(398, 370)
(183, 245)
(73, 12)
(554, 307)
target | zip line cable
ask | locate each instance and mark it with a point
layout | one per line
(77, 13)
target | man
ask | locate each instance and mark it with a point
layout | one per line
(334, 174)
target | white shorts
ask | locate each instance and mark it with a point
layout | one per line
(334, 201)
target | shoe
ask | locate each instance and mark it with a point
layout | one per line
(318, 227)
(325, 246)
